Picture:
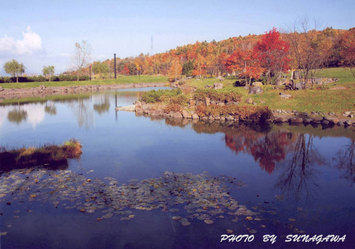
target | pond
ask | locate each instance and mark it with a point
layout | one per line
(144, 183)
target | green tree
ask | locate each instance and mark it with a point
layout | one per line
(14, 68)
(48, 71)
(187, 68)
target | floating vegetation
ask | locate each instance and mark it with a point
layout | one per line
(199, 197)
(47, 156)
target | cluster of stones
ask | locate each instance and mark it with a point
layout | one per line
(315, 118)
(279, 116)
(158, 111)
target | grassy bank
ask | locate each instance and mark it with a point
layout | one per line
(335, 97)
(46, 155)
(120, 80)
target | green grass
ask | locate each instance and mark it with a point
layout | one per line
(325, 100)
(201, 83)
(120, 80)
(343, 74)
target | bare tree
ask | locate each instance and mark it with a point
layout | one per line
(309, 48)
(82, 57)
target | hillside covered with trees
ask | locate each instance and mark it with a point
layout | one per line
(251, 56)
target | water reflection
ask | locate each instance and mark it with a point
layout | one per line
(50, 108)
(17, 115)
(35, 114)
(294, 152)
(103, 106)
(270, 160)
(54, 165)
(266, 148)
(83, 112)
(299, 171)
(345, 161)
(83, 107)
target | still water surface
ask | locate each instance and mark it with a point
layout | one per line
(143, 183)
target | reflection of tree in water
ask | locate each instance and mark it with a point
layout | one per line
(17, 115)
(295, 151)
(267, 149)
(102, 107)
(83, 112)
(298, 172)
(50, 109)
(345, 160)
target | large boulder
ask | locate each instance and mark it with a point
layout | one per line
(255, 90)
(186, 114)
(249, 101)
(157, 113)
(285, 96)
(129, 108)
(257, 83)
(177, 115)
(295, 75)
(217, 85)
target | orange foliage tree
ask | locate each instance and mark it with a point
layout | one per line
(348, 49)
(175, 70)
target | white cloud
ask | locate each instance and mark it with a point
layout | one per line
(30, 42)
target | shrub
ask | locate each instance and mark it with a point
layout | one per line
(41, 78)
(150, 97)
(201, 110)
(179, 100)
(172, 108)
(154, 96)
(239, 83)
(254, 113)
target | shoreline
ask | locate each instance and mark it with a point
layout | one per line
(157, 111)
(276, 117)
(43, 91)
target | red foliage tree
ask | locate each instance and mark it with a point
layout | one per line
(125, 70)
(272, 53)
(245, 63)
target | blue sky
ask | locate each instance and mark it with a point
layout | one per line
(39, 33)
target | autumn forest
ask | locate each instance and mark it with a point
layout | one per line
(252, 57)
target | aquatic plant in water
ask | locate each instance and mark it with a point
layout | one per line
(45, 155)
(188, 196)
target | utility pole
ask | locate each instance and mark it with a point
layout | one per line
(114, 64)
(90, 69)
